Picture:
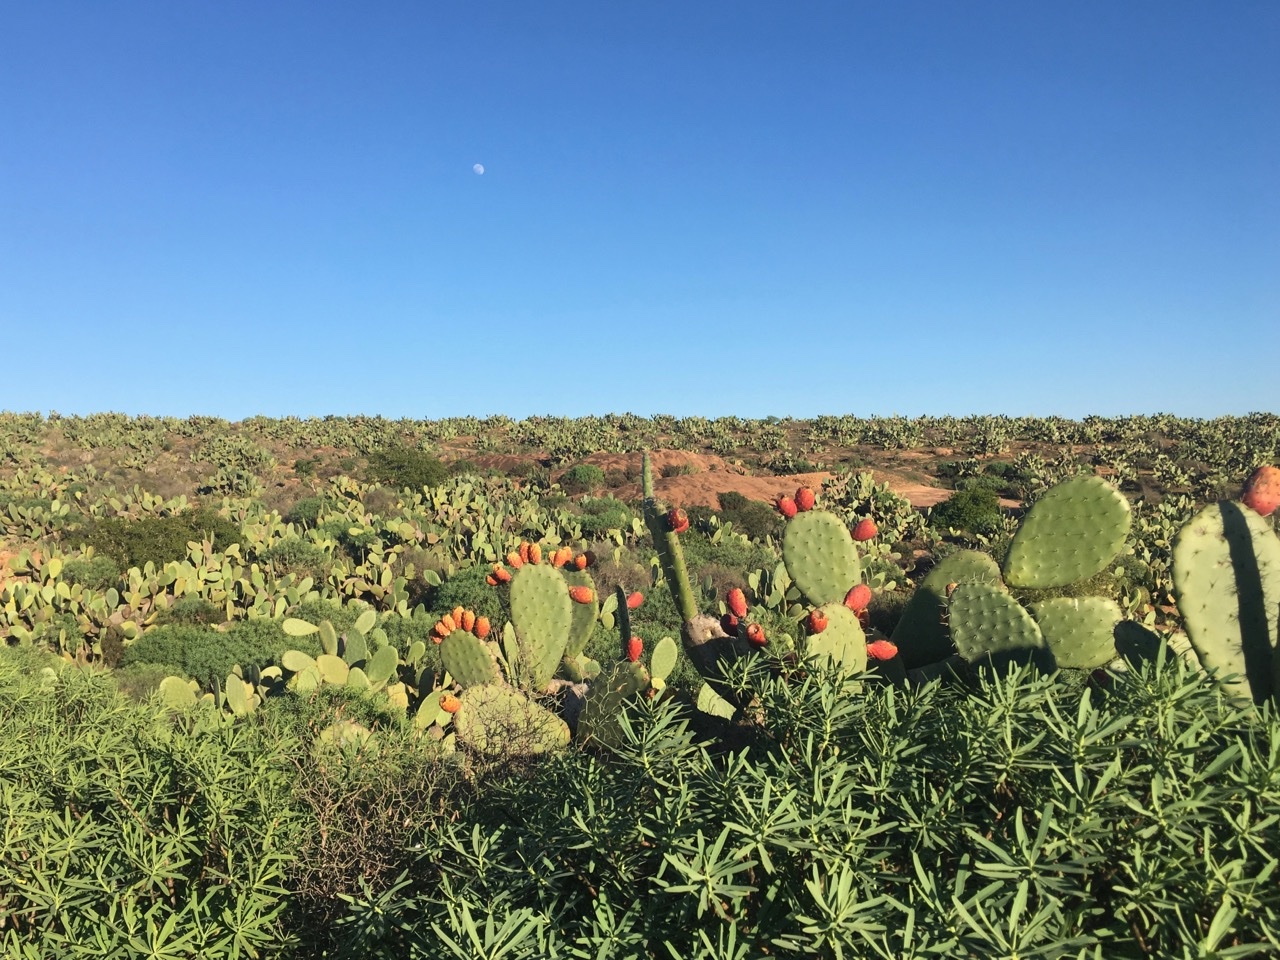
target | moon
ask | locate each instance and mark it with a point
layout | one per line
(478, 169)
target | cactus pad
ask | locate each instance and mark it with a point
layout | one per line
(607, 698)
(584, 615)
(177, 693)
(663, 659)
(382, 666)
(921, 635)
(820, 556)
(1079, 630)
(354, 649)
(1226, 575)
(991, 629)
(469, 660)
(497, 720)
(332, 669)
(1071, 533)
(842, 641)
(543, 615)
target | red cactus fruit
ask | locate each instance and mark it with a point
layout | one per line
(481, 628)
(581, 594)
(729, 624)
(858, 597)
(755, 634)
(804, 499)
(865, 530)
(881, 650)
(1262, 490)
(817, 621)
(787, 507)
(736, 601)
(449, 703)
(635, 646)
(634, 600)
(677, 520)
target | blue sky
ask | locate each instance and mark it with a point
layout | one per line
(694, 208)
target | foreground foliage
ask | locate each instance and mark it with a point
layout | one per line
(1033, 816)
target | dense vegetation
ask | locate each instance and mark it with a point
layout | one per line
(1124, 813)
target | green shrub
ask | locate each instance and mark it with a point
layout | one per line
(602, 514)
(206, 654)
(158, 540)
(401, 467)
(294, 555)
(467, 589)
(582, 478)
(99, 573)
(975, 510)
(306, 512)
(192, 611)
(757, 520)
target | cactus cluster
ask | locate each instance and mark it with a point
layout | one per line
(965, 606)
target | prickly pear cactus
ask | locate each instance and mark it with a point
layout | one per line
(607, 698)
(842, 641)
(992, 630)
(1226, 577)
(543, 616)
(1070, 534)
(496, 720)
(921, 635)
(820, 556)
(1080, 631)
(469, 660)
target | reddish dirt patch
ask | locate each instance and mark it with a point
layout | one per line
(714, 476)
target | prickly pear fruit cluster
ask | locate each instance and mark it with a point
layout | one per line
(460, 619)
(532, 553)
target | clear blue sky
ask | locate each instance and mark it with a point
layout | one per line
(707, 208)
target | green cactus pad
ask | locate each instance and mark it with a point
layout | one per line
(497, 720)
(382, 666)
(1071, 533)
(1079, 630)
(711, 703)
(663, 659)
(295, 661)
(358, 680)
(237, 696)
(820, 556)
(584, 615)
(606, 700)
(365, 622)
(177, 693)
(843, 640)
(543, 615)
(333, 670)
(579, 669)
(354, 649)
(328, 638)
(1226, 576)
(991, 629)
(417, 650)
(922, 636)
(469, 660)
(306, 681)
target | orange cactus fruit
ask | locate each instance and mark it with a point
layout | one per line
(804, 499)
(524, 550)
(535, 553)
(882, 650)
(449, 623)
(580, 561)
(755, 634)
(635, 646)
(634, 600)
(491, 580)
(865, 530)
(456, 613)
(449, 703)
(440, 631)
(503, 575)
(677, 520)
(514, 560)
(581, 594)
(468, 620)
(787, 507)
(858, 597)
(481, 628)
(561, 557)
(817, 621)
(736, 601)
